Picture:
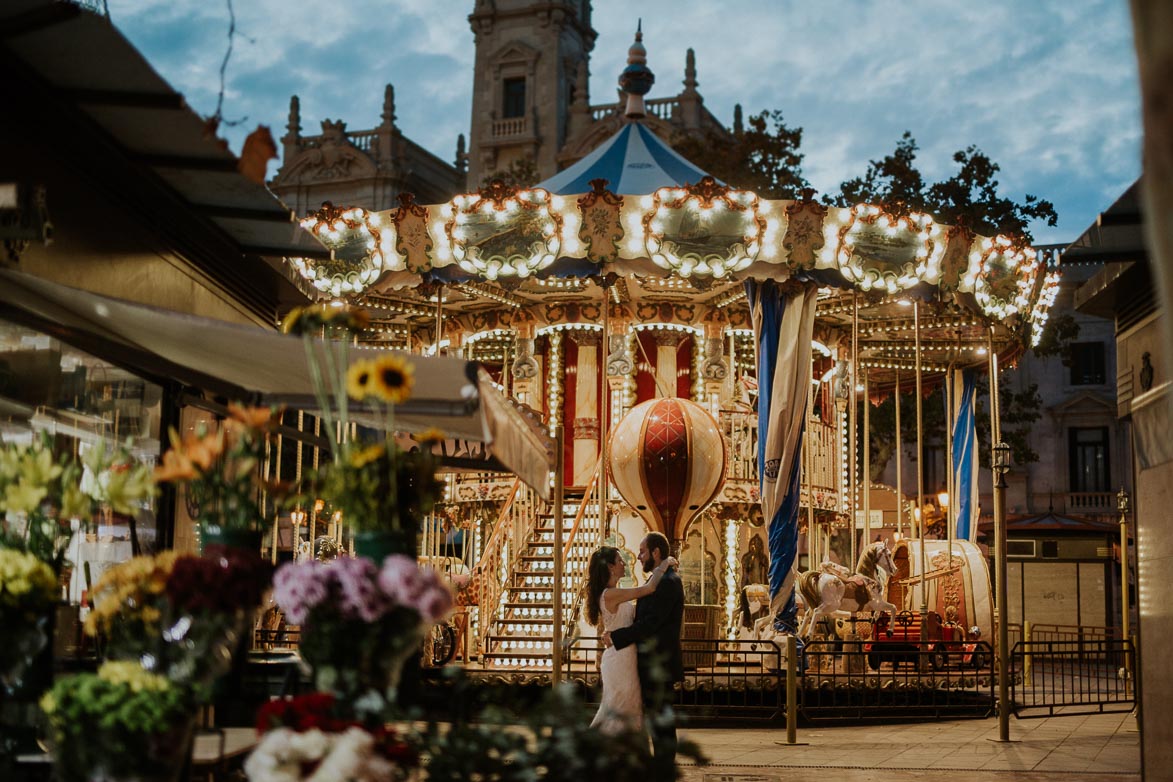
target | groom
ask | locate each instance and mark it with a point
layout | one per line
(658, 618)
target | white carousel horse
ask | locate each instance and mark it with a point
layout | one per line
(825, 594)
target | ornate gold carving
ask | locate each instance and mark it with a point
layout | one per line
(955, 261)
(804, 230)
(601, 228)
(412, 240)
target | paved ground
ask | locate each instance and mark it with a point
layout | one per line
(1071, 749)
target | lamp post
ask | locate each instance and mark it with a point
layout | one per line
(1000, 462)
(1122, 505)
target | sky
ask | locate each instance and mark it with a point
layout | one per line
(1047, 88)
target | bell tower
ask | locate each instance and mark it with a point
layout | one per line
(531, 60)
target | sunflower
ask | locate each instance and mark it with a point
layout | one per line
(359, 379)
(392, 379)
(431, 435)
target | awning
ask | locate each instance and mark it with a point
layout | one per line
(635, 161)
(257, 366)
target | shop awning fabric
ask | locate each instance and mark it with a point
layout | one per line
(257, 366)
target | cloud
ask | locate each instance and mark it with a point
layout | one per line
(1047, 88)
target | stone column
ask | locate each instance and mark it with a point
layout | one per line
(586, 406)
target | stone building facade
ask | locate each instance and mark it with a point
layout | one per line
(530, 102)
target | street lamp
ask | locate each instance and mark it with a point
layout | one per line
(1122, 505)
(1000, 461)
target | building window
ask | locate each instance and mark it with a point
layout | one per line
(514, 92)
(1087, 364)
(1088, 457)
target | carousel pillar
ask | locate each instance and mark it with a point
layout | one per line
(920, 478)
(667, 344)
(899, 464)
(586, 406)
(1000, 462)
(715, 372)
(526, 372)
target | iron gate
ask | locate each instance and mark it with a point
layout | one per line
(1085, 676)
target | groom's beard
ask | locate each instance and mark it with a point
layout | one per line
(649, 565)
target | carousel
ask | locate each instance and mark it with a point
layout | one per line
(696, 356)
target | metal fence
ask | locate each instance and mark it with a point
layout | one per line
(728, 680)
(842, 681)
(1081, 676)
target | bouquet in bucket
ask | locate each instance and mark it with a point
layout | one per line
(123, 722)
(305, 738)
(360, 622)
(219, 470)
(381, 490)
(45, 496)
(28, 591)
(183, 615)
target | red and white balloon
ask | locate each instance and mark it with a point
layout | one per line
(667, 459)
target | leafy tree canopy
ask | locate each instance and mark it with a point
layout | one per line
(762, 157)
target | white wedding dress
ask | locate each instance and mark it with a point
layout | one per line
(621, 708)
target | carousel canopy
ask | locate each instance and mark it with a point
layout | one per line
(254, 365)
(634, 161)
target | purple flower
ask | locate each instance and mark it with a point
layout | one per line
(408, 585)
(360, 593)
(299, 587)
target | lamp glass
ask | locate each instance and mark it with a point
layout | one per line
(1122, 501)
(1001, 457)
(943, 498)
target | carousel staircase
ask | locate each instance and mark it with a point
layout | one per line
(522, 633)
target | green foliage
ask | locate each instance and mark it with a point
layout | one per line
(1061, 330)
(118, 723)
(764, 158)
(380, 487)
(522, 172)
(970, 196)
(549, 740)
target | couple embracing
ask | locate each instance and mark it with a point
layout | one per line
(637, 681)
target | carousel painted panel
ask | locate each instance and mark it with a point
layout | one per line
(957, 589)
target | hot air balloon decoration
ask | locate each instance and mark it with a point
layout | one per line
(667, 459)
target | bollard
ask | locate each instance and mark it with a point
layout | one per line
(791, 690)
(1027, 657)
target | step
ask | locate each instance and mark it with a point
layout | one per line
(507, 645)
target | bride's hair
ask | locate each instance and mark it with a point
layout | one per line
(598, 576)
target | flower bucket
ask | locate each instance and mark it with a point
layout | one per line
(379, 544)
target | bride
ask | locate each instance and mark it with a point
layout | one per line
(610, 608)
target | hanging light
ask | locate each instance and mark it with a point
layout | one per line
(1002, 458)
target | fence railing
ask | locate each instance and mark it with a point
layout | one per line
(1058, 678)
(842, 680)
(743, 680)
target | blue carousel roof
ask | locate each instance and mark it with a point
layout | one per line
(635, 161)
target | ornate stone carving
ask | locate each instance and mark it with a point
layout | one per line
(335, 155)
(412, 240)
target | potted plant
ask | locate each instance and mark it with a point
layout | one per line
(219, 470)
(359, 622)
(305, 738)
(380, 490)
(122, 722)
(28, 591)
(184, 614)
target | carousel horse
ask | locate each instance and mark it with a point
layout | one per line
(825, 594)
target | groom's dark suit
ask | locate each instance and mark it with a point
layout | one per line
(658, 619)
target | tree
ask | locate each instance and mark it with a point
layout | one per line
(763, 158)
(970, 195)
(522, 172)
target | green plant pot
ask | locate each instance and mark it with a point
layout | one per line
(245, 539)
(380, 544)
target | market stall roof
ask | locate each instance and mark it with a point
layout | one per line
(1051, 522)
(254, 365)
(85, 90)
(635, 161)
